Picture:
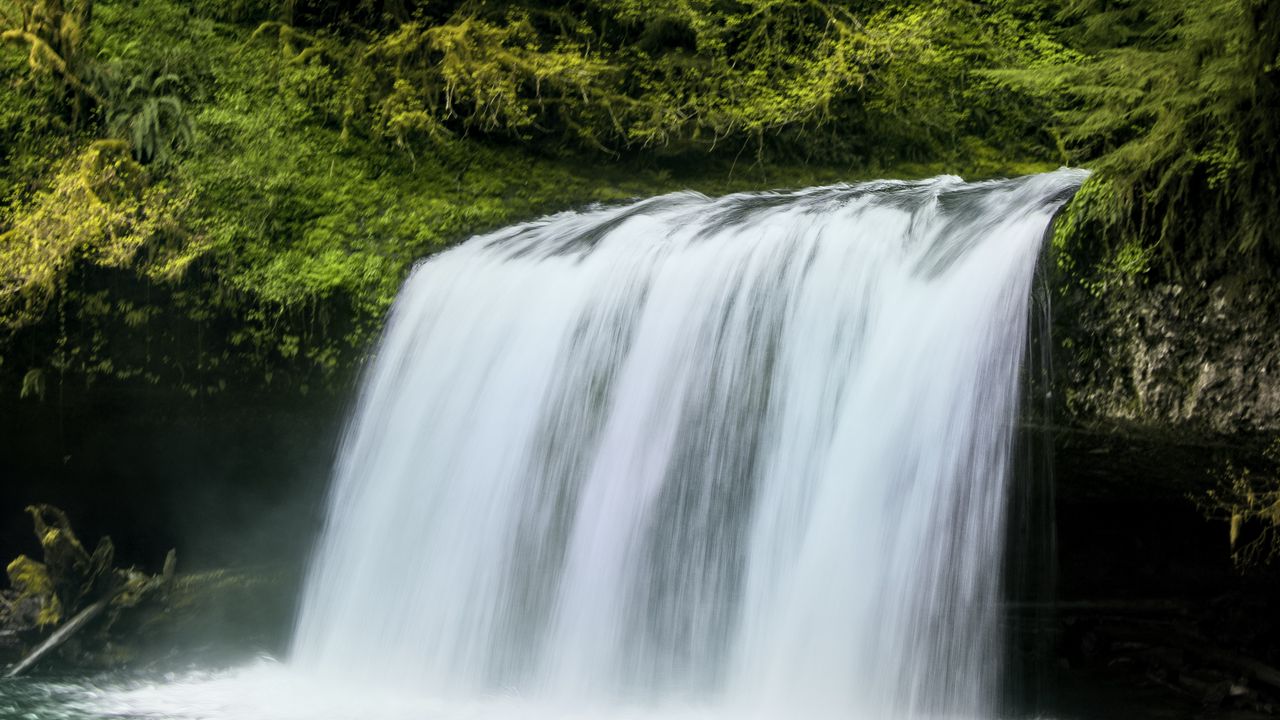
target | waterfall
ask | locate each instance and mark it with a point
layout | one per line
(747, 453)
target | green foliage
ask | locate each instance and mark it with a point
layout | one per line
(33, 384)
(881, 86)
(31, 128)
(269, 249)
(1088, 253)
(277, 165)
(100, 208)
(1248, 499)
(1174, 105)
(52, 32)
(151, 116)
(523, 71)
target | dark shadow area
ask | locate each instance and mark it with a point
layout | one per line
(229, 481)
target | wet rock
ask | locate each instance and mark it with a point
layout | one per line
(1203, 360)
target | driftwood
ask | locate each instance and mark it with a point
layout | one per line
(71, 581)
(61, 635)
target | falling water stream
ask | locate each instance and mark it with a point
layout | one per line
(734, 457)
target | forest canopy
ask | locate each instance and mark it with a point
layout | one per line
(212, 192)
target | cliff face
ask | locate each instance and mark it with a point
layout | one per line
(1164, 392)
(1198, 360)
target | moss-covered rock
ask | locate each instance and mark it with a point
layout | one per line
(31, 601)
(1201, 359)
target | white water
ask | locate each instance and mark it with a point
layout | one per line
(737, 457)
(750, 451)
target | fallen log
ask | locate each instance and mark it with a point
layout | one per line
(46, 592)
(61, 635)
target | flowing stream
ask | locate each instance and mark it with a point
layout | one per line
(734, 457)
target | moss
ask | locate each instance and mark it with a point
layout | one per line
(218, 612)
(301, 157)
(332, 151)
(99, 206)
(1173, 105)
(30, 580)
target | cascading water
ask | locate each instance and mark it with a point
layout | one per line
(745, 453)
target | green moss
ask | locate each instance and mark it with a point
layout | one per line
(30, 579)
(1174, 105)
(299, 157)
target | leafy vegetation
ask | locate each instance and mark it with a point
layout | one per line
(214, 193)
(1174, 105)
(1248, 500)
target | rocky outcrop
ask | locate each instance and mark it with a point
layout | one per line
(1200, 360)
(1167, 400)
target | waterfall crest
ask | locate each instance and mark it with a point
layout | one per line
(746, 452)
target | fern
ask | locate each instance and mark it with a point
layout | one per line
(151, 116)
